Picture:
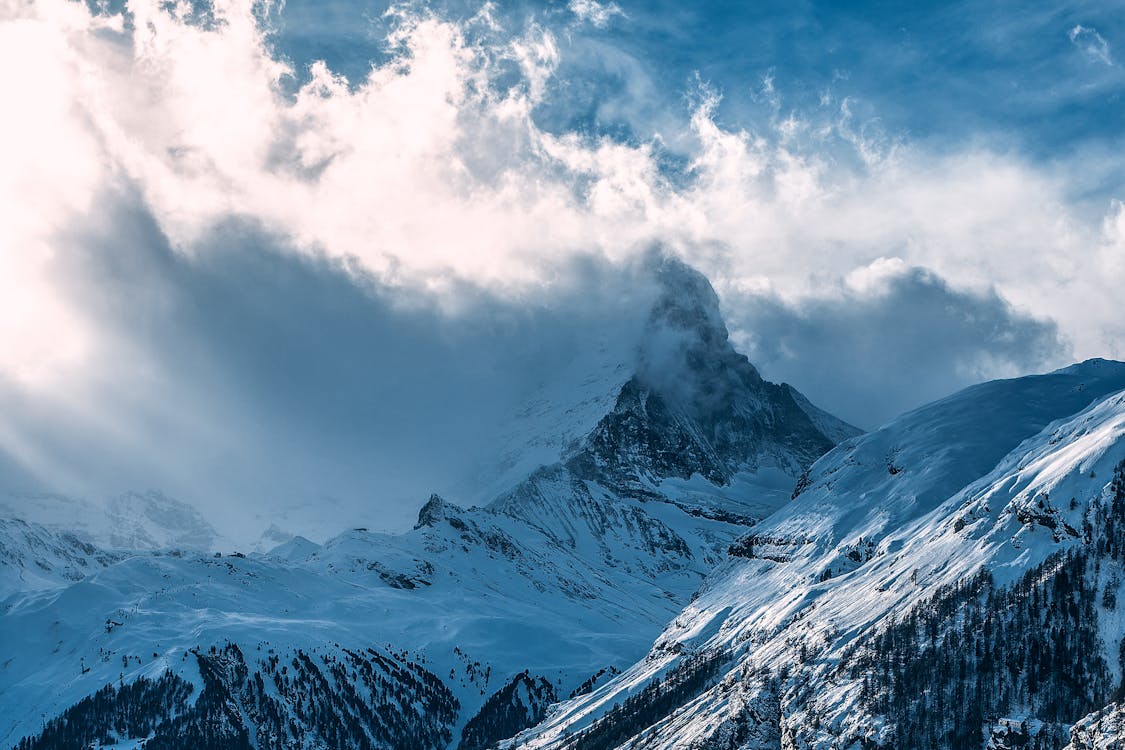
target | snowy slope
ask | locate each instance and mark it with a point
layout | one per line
(1102, 730)
(34, 557)
(551, 422)
(131, 521)
(894, 543)
(485, 614)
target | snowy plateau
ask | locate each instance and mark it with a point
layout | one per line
(677, 554)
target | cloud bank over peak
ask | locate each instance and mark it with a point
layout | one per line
(912, 323)
(222, 261)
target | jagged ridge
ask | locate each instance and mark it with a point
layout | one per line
(881, 531)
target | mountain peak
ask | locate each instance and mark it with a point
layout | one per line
(687, 302)
(696, 406)
(968, 533)
(674, 400)
(434, 512)
(686, 343)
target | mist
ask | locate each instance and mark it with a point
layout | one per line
(312, 290)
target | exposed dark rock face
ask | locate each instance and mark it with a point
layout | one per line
(697, 406)
(434, 512)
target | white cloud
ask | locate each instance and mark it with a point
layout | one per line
(1091, 43)
(432, 176)
(595, 13)
(433, 170)
(51, 172)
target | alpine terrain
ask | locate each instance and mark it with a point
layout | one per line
(132, 625)
(695, 558)
(955, 579)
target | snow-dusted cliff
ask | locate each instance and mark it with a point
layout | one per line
(949, 580)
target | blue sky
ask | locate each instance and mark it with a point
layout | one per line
(244, 237)
(1037, 84)
(1041, 78)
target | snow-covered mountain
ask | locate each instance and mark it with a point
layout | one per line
(951, 580)
(459, 633)
(34, 557)
(52, 540)
(691, 564)
(132, 521)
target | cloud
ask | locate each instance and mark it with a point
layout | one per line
(595, 13)
(1091, 43)
(252, 283)
(434, 166)
(892, 336)
(267, 386)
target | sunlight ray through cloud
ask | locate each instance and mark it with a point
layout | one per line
(433, 179)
